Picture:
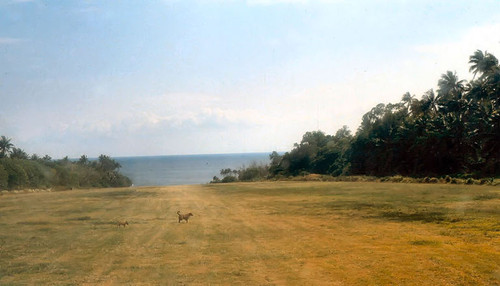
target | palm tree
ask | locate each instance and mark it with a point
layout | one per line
(430, 101)
(18, 153)
(483, 63)
(5, 146)
(449, 85)
(407, 101)
(477, 62)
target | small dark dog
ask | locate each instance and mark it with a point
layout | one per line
(124, 223)
(184, 216)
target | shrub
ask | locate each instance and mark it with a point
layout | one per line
(433, 180)
(25, 173)
(229, 179)
(409, 180)
(484, 181)
(397, 179)
(253, 173)
(215, 180)
(37, 174)
(447, 179)
(4, 178)
(17, 177)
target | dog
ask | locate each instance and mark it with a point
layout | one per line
(124, 223)
(184, 216)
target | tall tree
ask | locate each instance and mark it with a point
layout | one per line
(5, 146)
(84, 160)
(106, 164)
(449, 86)
(482, 63)
(477, 63)
(430, 102)
(18, 153)
(407, 101)
(455, 130)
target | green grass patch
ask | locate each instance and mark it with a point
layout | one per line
(82, 218)
(425, 242)
(415, 215)
(486, 196)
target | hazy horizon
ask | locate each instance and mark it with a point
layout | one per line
(216, 77)
(193, 155)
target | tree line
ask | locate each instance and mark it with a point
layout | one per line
(453, 131)
(18, 170)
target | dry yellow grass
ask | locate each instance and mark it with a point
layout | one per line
(288, 233)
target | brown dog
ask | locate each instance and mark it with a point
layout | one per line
(124, 223)
(184, 216)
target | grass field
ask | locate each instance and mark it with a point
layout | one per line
(278, 233)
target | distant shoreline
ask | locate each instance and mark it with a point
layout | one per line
(197, 155)
(163, 170)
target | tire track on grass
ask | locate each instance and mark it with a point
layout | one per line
(239, 251)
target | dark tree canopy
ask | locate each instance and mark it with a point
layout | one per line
(455, 130)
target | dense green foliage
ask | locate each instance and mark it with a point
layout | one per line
(254, 172)
(19, 171)
(455, 130)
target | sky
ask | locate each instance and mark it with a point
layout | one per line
(139, 78)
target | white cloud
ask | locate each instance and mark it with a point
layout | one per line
(437, 58)
(275, 2)
(22, 1)
(152, 114)
(10, 41)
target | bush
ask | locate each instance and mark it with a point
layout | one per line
(447, 179)
(433, 180)
(4, 178)
(484, 181)
(37, 173)
(253, 173)
(17, 177)
(215, 180)
(396, 179)
(229, 179)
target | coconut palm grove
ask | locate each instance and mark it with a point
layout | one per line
(452, 131)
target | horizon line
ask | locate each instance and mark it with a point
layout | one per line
(178, 155)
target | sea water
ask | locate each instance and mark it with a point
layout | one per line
(184, 169)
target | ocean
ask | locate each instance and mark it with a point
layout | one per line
(184, 169)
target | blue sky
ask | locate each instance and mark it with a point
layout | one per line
(127, 78)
